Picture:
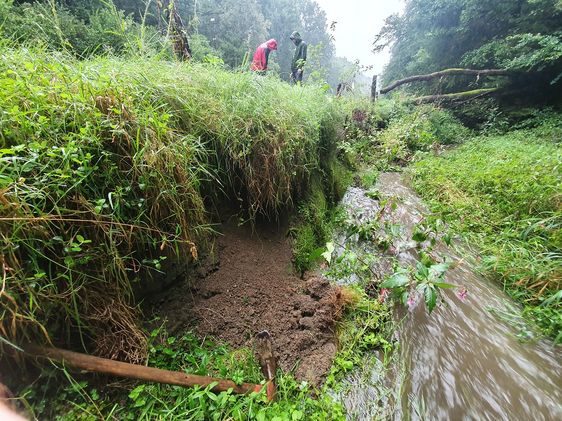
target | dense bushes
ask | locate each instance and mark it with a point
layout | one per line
(503, 192)
(105, 166)
(389, 133)
(419, 130)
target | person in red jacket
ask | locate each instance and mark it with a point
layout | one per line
(261, 56)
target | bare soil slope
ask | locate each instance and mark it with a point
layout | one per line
(253, 288)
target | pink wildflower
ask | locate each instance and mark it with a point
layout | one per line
(462, 293)
(411, 301)
(383, 294)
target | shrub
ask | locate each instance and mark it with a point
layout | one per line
(105, 29)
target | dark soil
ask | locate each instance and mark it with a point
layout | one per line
(253, 288)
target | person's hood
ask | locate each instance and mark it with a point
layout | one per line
(271, 44)
(296, 36)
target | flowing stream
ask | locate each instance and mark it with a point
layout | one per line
(471, 359)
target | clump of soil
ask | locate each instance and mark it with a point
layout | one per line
(254, 289)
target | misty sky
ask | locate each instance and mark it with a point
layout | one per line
(358, 21)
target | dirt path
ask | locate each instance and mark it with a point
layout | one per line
(254, 289)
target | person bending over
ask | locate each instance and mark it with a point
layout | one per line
(261, 56)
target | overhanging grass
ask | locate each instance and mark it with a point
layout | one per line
(105, 166)
(503, 192)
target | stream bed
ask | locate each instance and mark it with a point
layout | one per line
(471, 359)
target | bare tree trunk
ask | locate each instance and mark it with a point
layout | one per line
(447, 72)
(374, 88)
(169, 15)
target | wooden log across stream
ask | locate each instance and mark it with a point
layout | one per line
(139, 372)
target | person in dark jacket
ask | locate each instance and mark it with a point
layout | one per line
(299, 57)
(261, 56)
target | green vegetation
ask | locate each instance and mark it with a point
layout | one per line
(114, 158)
(313, 224)
(105, 165)
(191, 355)
(387, 136)
(224, 32)
(522, 36)
(502, 192)
(96, 28)
(365, 325)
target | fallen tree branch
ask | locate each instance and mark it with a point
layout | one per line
(139, 372)
(455, 96)
(446, 72)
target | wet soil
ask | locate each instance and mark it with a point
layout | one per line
(253, 288)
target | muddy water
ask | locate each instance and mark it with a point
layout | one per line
(465, 361)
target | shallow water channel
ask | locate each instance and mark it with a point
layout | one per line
(471, 359)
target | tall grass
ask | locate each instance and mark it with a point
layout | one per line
(503, 192)
(106, 168)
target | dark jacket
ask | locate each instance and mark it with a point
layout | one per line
(299, 57)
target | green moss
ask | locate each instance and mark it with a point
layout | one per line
(339, 179)
(312, 225)
(304, 245)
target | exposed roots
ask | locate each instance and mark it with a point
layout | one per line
(117, 335)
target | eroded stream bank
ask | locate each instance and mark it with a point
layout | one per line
(253, 287)
(463, 361)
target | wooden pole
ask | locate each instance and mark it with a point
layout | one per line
(268, 362)
(139, 372)
(374, 88)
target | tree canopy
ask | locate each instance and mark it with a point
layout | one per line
(518, 35)
(226, 31)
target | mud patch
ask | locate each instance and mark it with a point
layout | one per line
(254, 288)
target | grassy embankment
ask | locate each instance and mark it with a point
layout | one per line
(502, 192)
(109, 166)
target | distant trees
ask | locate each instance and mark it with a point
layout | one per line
(233, 27)
(432, 35)
(221, 31)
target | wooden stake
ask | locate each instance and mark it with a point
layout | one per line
(268, 362)
(139, 372)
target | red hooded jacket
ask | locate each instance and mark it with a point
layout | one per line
(261, 56)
